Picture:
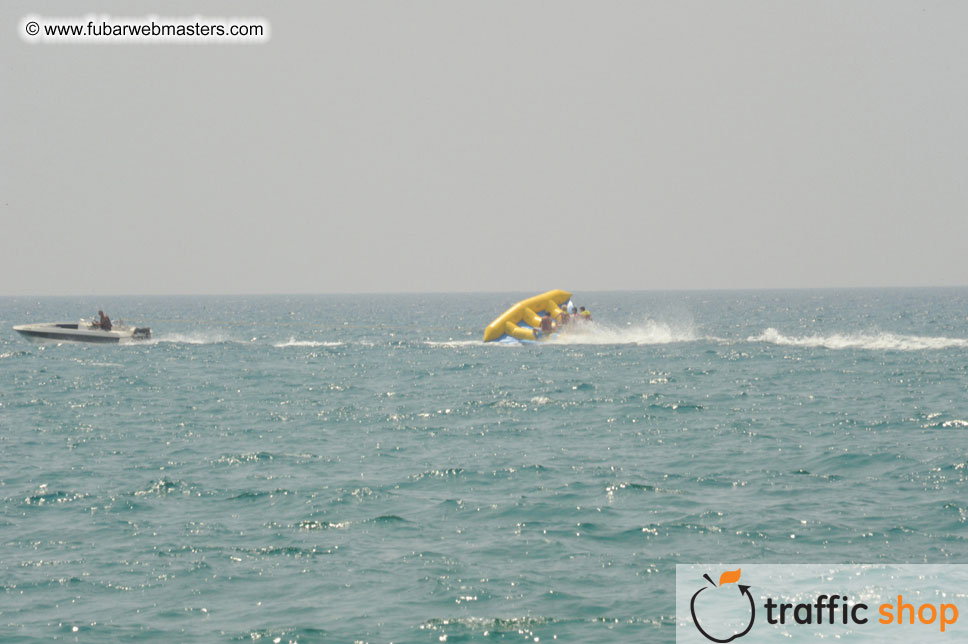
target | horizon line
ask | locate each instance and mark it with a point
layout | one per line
(494, 292)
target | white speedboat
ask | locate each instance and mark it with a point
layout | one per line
(82, 331)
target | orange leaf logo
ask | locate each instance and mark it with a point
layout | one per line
(729, 577)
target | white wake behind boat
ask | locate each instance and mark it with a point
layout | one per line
(81, 331)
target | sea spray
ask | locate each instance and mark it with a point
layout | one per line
(873, 341)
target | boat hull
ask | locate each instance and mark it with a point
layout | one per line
(66, 332)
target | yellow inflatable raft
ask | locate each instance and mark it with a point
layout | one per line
(521, 320)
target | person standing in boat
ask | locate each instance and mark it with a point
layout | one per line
(104, 322)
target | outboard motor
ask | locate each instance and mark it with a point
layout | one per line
(141, 333)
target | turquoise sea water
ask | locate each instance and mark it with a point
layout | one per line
(363, 468)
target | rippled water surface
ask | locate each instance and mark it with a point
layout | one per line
(363, 468)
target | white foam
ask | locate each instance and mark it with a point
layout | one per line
(649, 332)
(955, 423)
(293, 342)
(453, 344)
(869, 341)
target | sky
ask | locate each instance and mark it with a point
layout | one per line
(489, 146)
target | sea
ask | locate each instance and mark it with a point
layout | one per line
(363, 468)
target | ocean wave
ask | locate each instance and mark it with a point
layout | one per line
(438, 474)
(388, 519)
(525, 625)
(293, 342)
(871, 341)
(248, 495)
(294, 552)
(46, 497)
(614, 488)
(164, 487)
(312, 524)
(239, 459)
(94, 363)
(187, 338)
(283, 634)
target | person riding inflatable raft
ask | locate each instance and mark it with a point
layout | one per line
(523, 321)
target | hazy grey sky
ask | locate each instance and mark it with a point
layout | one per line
(490, 146)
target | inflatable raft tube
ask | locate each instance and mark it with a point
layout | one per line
(521, 320)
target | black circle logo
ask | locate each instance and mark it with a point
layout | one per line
(728, 577)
